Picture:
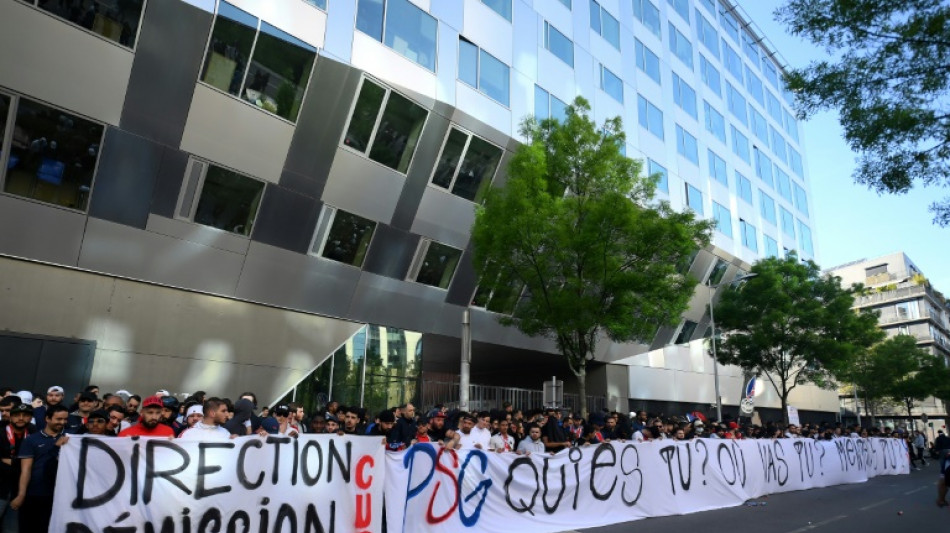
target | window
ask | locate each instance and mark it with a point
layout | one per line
(791, 126)
(801, 199)
(694, 199)
(385, 125)
(648, 15)
(710, 75)
(717, 168)
(715, 123)
(558, 44)
(566, 3)
(907, 310)
(732, 60)
(751, 48)
(650, 116)
(795, 161)
(875, 270)
(654, 168)
(718, 271)
(774, 107)
(767, 207)
(744, 187)
(680, 46)
(778, 145)
(749, 238)
(771, 74)
(763, 167)
(759, 126)
(257, 62)
(805, 233)
(707, 34)
(788, 222)
(343, 236)
(686, 145)
(684, 96)
(402, 26)
(729, 23)
(784, 184)
(686, 332)
(736, 103)
(226, 199)
(116, 21)
(547, 105)
(502, 7)
(52, 153)
(771, 246)
(466, 165)
(611, 84)
(723, 219)
(647, 61)
(754, 85)
(740, 144)
(681, 7)
(483, 71)
(500, 298)
(322, 4)
(604, 24)
(434, 264)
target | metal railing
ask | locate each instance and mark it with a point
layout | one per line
(903, 290)
(487, 397)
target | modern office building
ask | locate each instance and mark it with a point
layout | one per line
(219, 194)
(907, 304)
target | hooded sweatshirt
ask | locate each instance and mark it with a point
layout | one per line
(243, 410)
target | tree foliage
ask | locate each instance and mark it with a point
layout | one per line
(576, 226)
(905, 373)
(889, 80)
(792, 325)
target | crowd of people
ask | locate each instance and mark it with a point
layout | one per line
(36, 427)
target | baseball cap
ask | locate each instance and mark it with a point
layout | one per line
(162, 392)
(88, 397)
(281, 410)
(437, 414)
(22, 408)
(270, 425)
(387, 416)
(25, 396)
(55, 388)
(194, 409)
(152, 401)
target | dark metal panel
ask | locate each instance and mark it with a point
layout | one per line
(423, 162)
(463, 284)
(125, 179)
(320, 126)
(166, 67)
(286, 219)
(391, 252)
(168, 182)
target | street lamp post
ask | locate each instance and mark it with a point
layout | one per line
(712, 322)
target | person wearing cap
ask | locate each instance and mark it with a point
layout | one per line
(211, 426)
(77, 419)
(149, 424)
(39, 457)
(54, 396)
(13, 434)
(422, 430)
(170, 408)
(332, 425)
(437, 430)
(194, 413)
(281, 413)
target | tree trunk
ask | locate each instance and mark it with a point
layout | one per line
(582, 390)
(785, 406)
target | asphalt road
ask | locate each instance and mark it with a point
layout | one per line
(865, 507)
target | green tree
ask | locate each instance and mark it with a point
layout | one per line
(793, 325)
(889, 80)
(576, 226)
(907, 373)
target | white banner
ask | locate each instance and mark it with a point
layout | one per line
(310, 484)
(431, 490)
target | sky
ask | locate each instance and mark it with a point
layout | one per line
(851, 222)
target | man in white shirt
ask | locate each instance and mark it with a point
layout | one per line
(532, 444)
(502, 441)
(210, 427)
(472, 435)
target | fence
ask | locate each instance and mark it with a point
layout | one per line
(486, 397)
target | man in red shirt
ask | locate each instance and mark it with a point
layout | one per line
(149, 421)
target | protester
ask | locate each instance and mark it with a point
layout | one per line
(39, 457)
(211, 427)
(532, 444)
(149, 424)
